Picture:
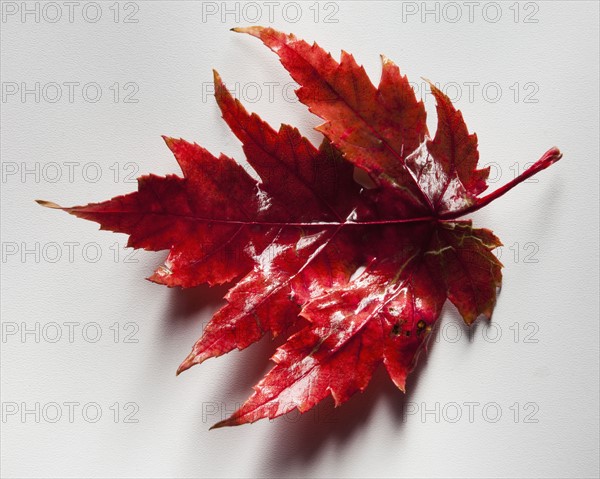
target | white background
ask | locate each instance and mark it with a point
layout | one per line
(550, 293)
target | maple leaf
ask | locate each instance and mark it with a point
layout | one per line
(364, 271)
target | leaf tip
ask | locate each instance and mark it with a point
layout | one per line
(233, 420)
(438, 94)
(385, 60)
(170, 141)
(187, 363)
(254, 30)
(220, 89)
(48, 204)
(399, 379)
(218, 425)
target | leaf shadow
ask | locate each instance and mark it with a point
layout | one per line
(252, 363)
(196, 306)
(249, 367)
(553, 195)
(187, 312)
(299, 439)
(186, 304)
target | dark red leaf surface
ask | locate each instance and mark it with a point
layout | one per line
(364, 273)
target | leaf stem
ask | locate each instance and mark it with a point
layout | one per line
(548, 158)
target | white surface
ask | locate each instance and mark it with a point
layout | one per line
(169, 54)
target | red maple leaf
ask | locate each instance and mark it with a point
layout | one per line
(368, 270)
